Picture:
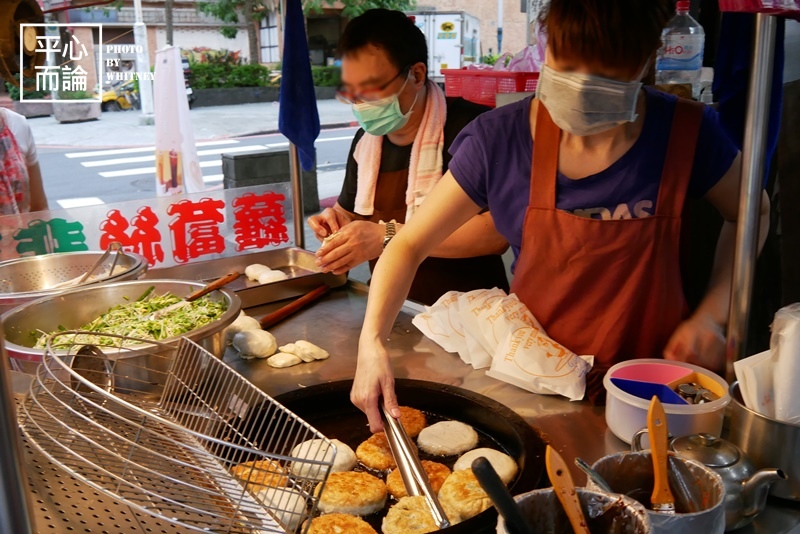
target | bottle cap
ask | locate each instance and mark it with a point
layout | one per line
(682, 5)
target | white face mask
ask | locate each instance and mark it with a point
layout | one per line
(582, 104)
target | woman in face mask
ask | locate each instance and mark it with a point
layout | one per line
(587, 182)
(398, 155)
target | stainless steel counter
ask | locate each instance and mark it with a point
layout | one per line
(574, 428)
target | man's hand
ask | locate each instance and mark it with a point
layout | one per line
(698, 340)
(354, 244)
(328, 222)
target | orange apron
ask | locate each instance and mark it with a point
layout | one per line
(608, 288)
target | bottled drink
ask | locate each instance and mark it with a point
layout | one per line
(680, 57)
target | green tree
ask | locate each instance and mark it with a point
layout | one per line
(354, 8)
(232, 12)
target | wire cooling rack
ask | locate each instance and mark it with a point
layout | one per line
(176, 433)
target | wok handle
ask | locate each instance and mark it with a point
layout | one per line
(285, 311)
(216, 284)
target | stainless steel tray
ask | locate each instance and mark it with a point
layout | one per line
(297, 263)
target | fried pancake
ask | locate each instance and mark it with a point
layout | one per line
(375, 453)
(352, 493)
(339, 524)
(504, 464)
(413, 421)
(462, 495)
(288, 504)
(411, 515)
(447, 438)
(261, 473)
(319, 450)
(437, 473)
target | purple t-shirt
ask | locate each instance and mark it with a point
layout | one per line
(492, 163)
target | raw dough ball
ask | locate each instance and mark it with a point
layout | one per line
(307, 352)
(282, 360)
(242, 323)
(268, 277)
(318, 450)
(447, 438)
(504, 464)
(254, 271)
(289, 505)
(255, 344)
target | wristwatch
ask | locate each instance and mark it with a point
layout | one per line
(391, 230)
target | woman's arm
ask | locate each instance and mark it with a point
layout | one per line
(697, 339)
(447, 208)
(38, 198)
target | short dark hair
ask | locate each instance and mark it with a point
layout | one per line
(392, 31)
(619, 34)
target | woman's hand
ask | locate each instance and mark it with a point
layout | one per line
(373, 380)
(698, 340)
(355, 243)
(330, 221)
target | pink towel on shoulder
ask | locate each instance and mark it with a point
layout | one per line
(425, 165)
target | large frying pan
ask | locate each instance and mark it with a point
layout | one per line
(327, 407)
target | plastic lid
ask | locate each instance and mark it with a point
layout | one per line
(682, 5)
(707, 449)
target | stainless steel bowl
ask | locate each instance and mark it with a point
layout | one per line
(23, 280)
(768, 443)
(23, 325)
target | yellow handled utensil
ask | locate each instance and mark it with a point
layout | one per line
(662, 498)
(564, 487)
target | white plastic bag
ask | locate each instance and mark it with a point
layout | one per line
(756, 382)
(785, 347)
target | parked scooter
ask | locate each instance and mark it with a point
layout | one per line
(120, 96)
(187, 74)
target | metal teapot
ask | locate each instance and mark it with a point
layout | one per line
(746, 489)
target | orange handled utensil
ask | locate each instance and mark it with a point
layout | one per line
(662, 498)
(564, 487)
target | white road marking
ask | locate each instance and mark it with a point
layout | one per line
(115, 151)
(148, 170)
(68, 203)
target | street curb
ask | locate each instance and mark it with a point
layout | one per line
(323, 127)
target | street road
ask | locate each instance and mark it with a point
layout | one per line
(75, 177)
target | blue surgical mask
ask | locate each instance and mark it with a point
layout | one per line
(383, 116)
(582, 104)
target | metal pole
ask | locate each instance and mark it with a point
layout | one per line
(296, 177)
(753, 165)
(14, 496)
(143, 64)
(499, 27)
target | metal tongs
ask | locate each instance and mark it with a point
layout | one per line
(114, 246)
(411, 471)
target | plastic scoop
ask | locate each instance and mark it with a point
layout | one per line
(501, 498)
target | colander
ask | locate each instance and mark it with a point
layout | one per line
(26, 279)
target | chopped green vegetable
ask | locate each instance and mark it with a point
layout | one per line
(130, 320)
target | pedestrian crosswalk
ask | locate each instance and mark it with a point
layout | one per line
(121, 162)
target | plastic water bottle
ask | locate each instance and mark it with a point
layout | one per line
(680, 57)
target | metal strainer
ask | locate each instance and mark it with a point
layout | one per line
(25, 279)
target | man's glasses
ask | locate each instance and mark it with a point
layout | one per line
(370, 95)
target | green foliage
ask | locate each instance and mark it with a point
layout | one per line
(13, 90)
(209, 55)
(216, 75)
(228, 12)
(74, 95)
(326, 76)
(354, 8)
(490, 59)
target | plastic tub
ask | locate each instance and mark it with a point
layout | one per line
(626, 413)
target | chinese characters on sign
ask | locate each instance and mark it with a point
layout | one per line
(166, 231)
(68, 58)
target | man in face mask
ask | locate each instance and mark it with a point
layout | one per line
(398, 156)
